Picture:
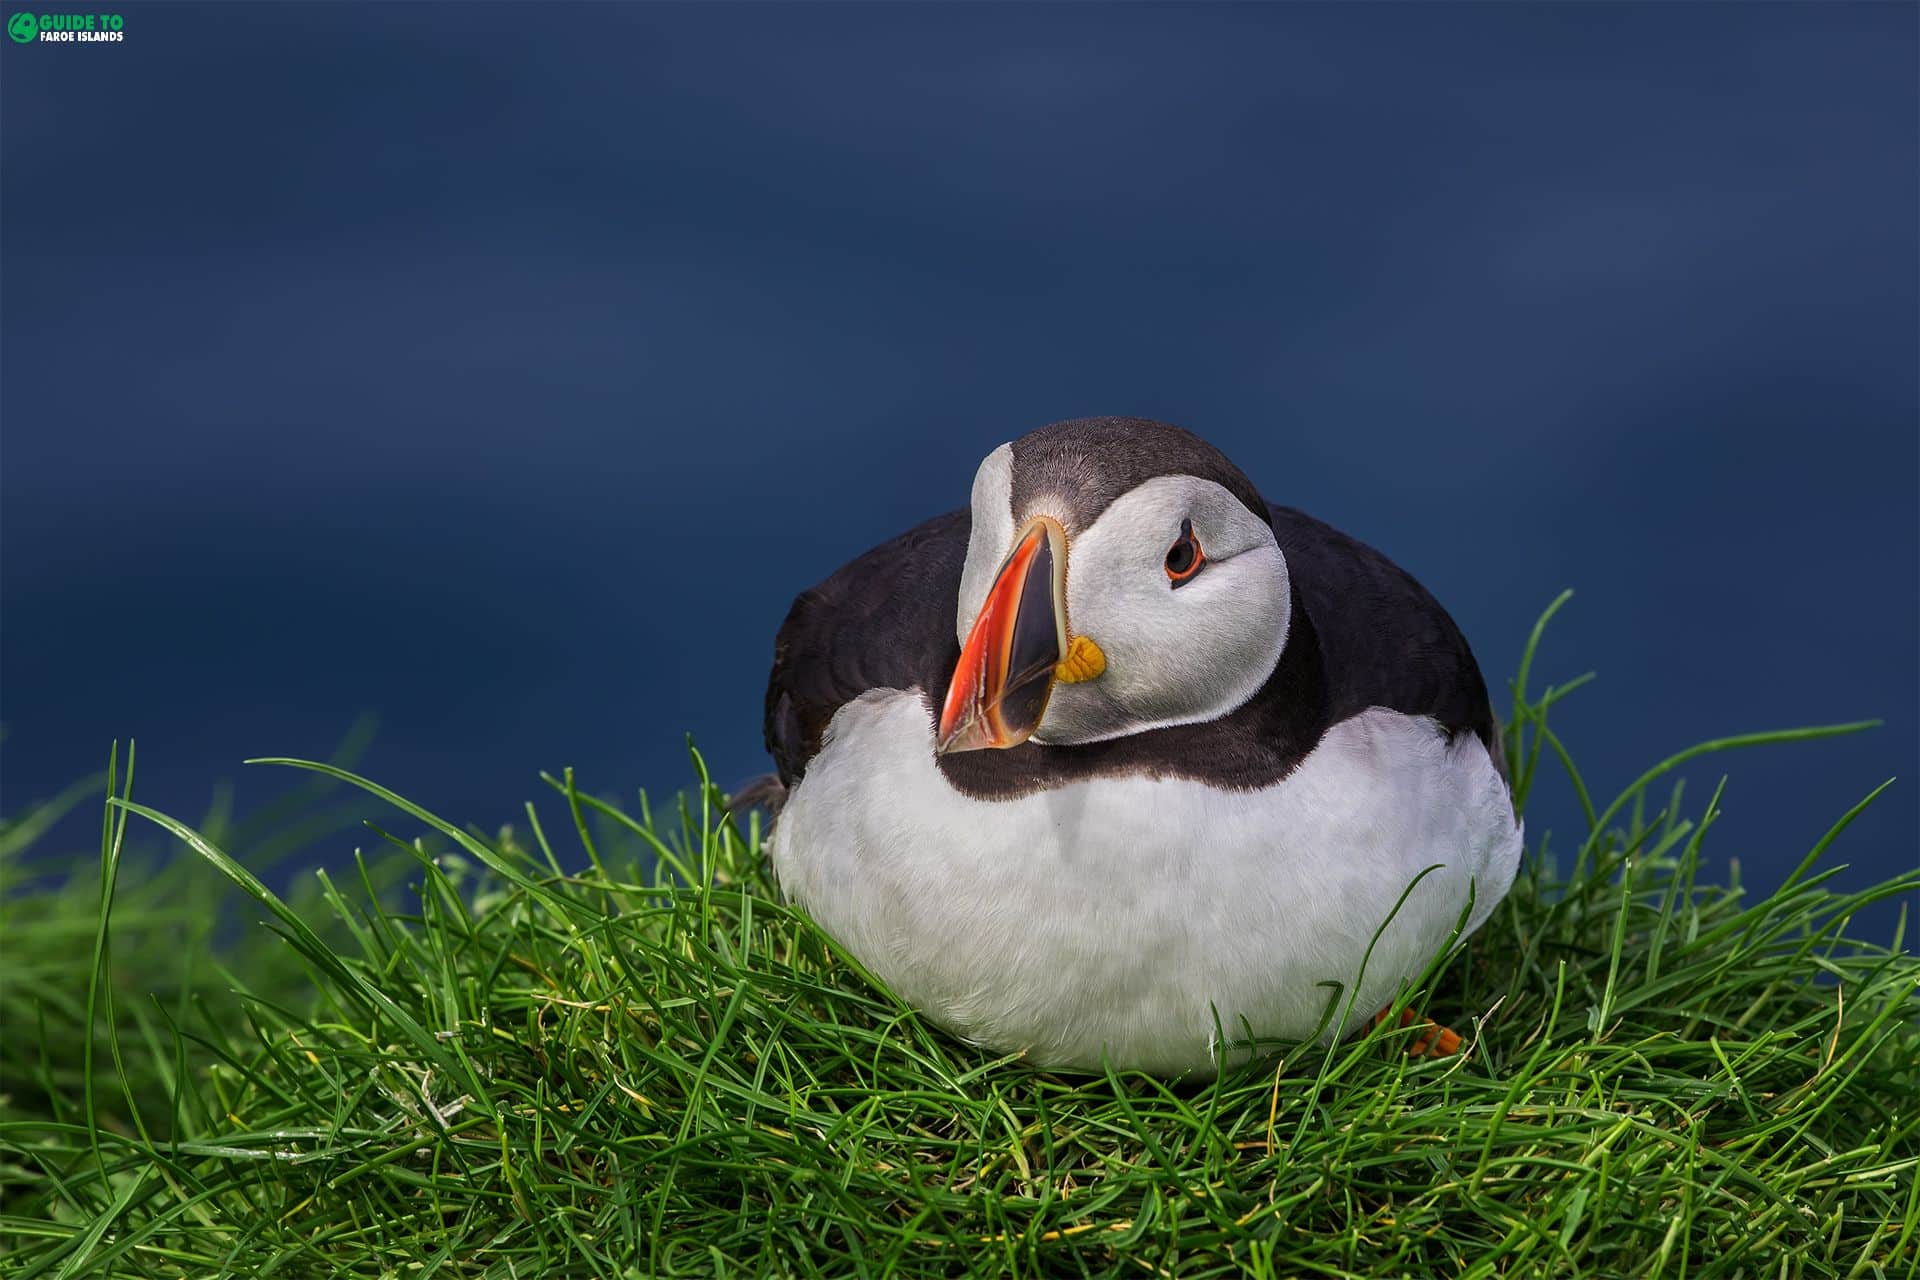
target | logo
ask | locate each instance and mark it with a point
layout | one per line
(67, 28)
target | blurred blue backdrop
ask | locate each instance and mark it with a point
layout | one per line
(505, 371)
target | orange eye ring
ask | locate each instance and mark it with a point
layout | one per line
(1185, 558)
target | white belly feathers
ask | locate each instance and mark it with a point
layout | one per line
(1115, 916)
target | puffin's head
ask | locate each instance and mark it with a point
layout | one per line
(1121, 575)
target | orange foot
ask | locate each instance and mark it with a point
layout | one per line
(1434, 1041)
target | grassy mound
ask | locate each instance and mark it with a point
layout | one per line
(468, 1061)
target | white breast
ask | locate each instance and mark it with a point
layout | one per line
(1116, 916)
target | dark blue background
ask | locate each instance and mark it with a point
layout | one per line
(507, 370)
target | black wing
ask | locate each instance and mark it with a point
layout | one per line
(884, 621)
(1384, 641)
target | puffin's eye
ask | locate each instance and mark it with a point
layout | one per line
(1185, 557)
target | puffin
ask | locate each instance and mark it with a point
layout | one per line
(1122, 766)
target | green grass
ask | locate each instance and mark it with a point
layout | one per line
(464, 1060)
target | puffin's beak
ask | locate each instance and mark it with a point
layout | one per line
(1006, 671)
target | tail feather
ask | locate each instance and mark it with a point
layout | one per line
(764, 792)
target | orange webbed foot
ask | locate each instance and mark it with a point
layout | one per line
(1434, 1040)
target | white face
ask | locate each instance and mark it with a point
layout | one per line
(1176, 653)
